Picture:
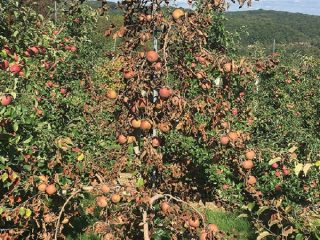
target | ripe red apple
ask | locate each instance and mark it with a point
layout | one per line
(35, 50)
(277, 187)
(46, 65)
(156, 142)
(224, 140)
(158, 66)
(73, 48)
(28, 53)
(235, 111)
(15, 68)
(6, 100)
(128, 74)
(63, 91)
(21, 74)
(275, 165)
(122, 139)
(165, 92)
(49, 83)
(277, 174)
(286, 172)
(152, 56)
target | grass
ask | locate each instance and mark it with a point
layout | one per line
(230, 223)
(89, 236)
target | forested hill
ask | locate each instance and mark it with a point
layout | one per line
(292, 31)
(284, 27)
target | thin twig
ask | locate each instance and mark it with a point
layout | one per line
(145, 226)
(165, 53)
(61, 211)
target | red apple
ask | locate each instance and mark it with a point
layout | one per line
(286, 172)
(277, 174)
(49, 83)
(235, 111)
(4, 65)
(6, 100)
(275, 165)
(63, 91)
(73, 48)
(15, 68)
(28, 53)
(165, 92)
(21, 74)
(34, 49)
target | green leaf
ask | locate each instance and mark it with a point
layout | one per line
(4, 177)
(140, 182)
(27, 167)
(15, 34)
(27, 140)
(15, 126)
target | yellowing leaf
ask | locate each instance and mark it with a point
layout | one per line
(262, 209)
(288, 209)
(263, 235)
(293, 149)
(298, 169)
(28, 213)
(14, 175)
(64, 143)
(274, 160)
(318, 163)
(243, 215)
(306, 168)
(287, 231)
(80, 157)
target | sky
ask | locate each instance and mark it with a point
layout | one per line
(311, 7)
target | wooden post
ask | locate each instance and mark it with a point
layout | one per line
(55, 12)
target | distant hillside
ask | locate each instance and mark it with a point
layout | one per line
(291, 31)
(285, 28)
